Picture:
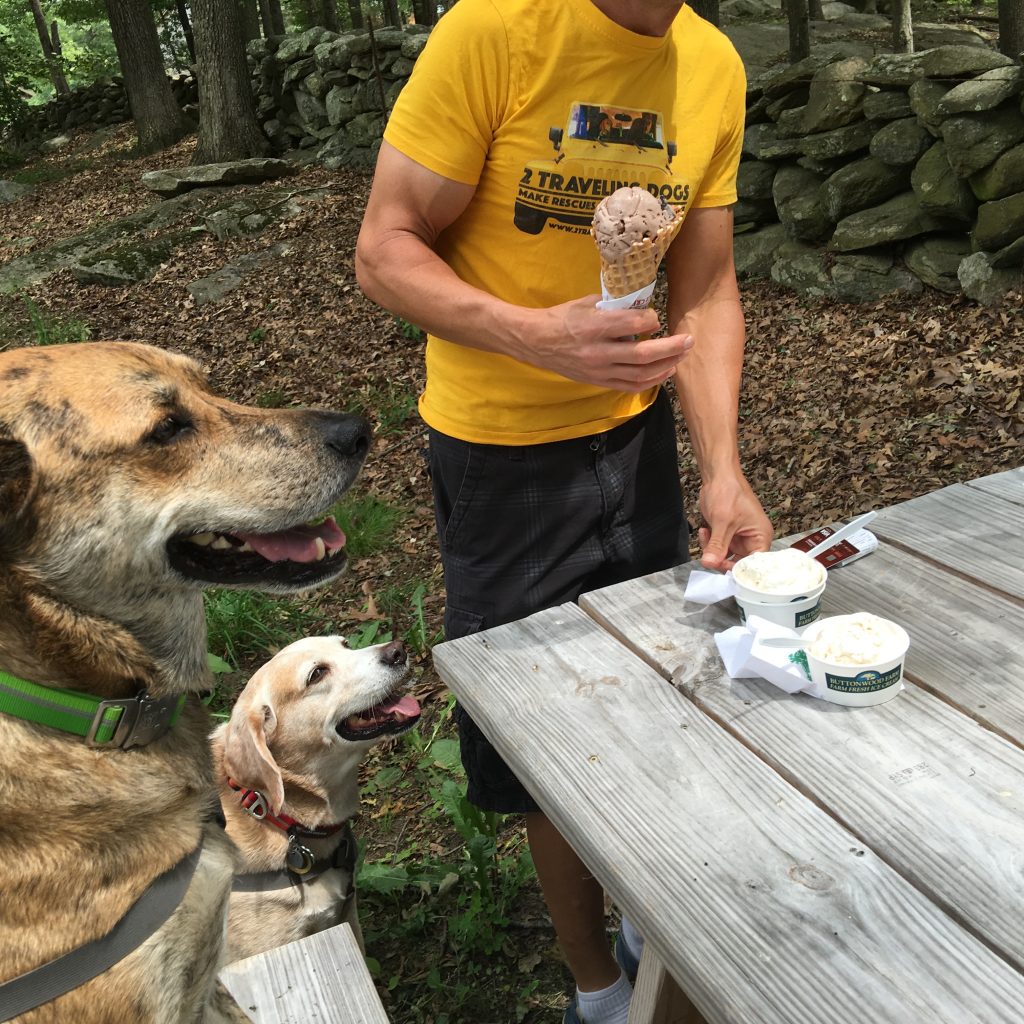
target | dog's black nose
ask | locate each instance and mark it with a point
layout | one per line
(393, 653)
(347, 435)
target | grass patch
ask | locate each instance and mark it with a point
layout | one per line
(54, 330)
(45, 173)
(391, 407)
(247, 627)
(369, 523)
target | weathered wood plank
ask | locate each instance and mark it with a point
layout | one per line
(933, 793)
(964, 528)
(321, 979)
(967, 642)
(744, 888)
(657, 999)
(1008, 485)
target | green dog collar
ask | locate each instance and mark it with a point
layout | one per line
(123, 722)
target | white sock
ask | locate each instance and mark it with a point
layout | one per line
(607, 1005)
(631, 937)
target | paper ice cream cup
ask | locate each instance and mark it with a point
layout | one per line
(855, 685)
(778, 577)
(795, 615)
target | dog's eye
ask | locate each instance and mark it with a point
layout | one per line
(169, 428)
(317, 674)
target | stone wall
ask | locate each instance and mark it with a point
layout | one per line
(861, 177)
(100, 104)
(867, 177)
(327, 91)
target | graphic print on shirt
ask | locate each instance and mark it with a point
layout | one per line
(602, 147)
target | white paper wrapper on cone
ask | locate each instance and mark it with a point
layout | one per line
(634, 300)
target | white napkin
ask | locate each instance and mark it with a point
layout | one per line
(709, 587)
(745, 657)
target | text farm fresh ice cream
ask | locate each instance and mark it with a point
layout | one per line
(786, 573)
(861, 639)
(856, 659)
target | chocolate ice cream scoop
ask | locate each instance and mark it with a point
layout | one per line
(626, 217)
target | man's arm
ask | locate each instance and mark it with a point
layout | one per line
(704, 302)
(397, 267)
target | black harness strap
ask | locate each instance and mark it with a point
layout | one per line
(267, 881)
(76, 967)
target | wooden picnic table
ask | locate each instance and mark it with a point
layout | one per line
(792, 861)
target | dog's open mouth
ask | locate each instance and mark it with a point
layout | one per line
(390, 716)
(302, 556)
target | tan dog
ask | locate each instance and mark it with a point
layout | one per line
(126, 486)
(287, 767)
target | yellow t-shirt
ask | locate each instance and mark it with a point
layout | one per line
(547, 106)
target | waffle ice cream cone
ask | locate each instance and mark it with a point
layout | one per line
(633, 231)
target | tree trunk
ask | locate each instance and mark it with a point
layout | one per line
(331, 21)
(707, 9)
(273, 18)
(799, 30)
(158, 119)
(391, 14)
(1011, 28)
(186, 28)
(250, 17)
(355, 13)
(424, 12)
(902, 27)
(58, 49)
(228, 129)
(60, 83)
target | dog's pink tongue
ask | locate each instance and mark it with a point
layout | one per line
(298, 544)
(406, 707)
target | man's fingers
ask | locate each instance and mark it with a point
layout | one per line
(716, 548)
(675, 346)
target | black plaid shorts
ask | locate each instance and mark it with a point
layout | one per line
(523, 528)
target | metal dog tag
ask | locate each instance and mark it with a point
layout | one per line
(299, 859)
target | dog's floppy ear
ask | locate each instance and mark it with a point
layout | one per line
(15, 474)
(17, 478)
(246, 755)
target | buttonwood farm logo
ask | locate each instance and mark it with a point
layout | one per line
(601, 149)
(864, 682)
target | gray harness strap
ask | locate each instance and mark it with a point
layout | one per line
(267, 881)
(76, 967)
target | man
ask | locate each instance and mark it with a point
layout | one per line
(553, 450)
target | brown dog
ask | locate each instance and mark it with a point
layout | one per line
(287, 767)
(126, 486)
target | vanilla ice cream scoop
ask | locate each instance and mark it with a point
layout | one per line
(786, 571)
(627, 217)
(859, 639)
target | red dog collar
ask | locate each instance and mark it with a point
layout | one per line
(255, 803)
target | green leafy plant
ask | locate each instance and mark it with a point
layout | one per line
(272, 399)
(418, 635)
(390, 406)
(408, 330)
(471, 890)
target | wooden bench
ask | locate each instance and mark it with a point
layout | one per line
(321, 979)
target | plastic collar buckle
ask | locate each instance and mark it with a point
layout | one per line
(143, 719)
